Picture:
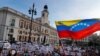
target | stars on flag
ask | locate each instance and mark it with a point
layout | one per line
(79, 24)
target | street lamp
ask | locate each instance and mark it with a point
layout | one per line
(31, 11)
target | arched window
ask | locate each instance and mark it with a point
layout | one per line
(20, 32)
(21, 24)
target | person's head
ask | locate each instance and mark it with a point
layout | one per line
(12, 52)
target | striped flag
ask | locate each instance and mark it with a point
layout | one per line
(77, 29)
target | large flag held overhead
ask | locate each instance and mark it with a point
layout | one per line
(77, 29)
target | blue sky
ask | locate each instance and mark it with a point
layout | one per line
(58, 9)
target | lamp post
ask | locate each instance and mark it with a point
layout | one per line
(31, 11)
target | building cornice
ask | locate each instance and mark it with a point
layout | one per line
(14, 12)
(22, 15)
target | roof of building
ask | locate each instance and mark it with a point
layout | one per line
(37, 20)
(15, 12)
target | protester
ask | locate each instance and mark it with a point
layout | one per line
(12, 52)
(30, 49)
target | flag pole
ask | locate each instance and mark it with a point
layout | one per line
(72, 40)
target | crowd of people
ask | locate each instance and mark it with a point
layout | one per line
(32, 49)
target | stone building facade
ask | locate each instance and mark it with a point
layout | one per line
(14, 24)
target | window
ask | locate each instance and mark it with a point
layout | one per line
(46, 31)
(28, 25)
(12, 22)
(24, 24)
(21, 25)
(20, 32)
(19, 38)
(26, 33)
(10, 36)
(43, 15)
(23, 31)
(11, 30)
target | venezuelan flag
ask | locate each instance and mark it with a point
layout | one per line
(77, 29)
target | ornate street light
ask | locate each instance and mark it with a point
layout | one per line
(31, 11)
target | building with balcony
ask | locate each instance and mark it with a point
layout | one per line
(14, 24)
